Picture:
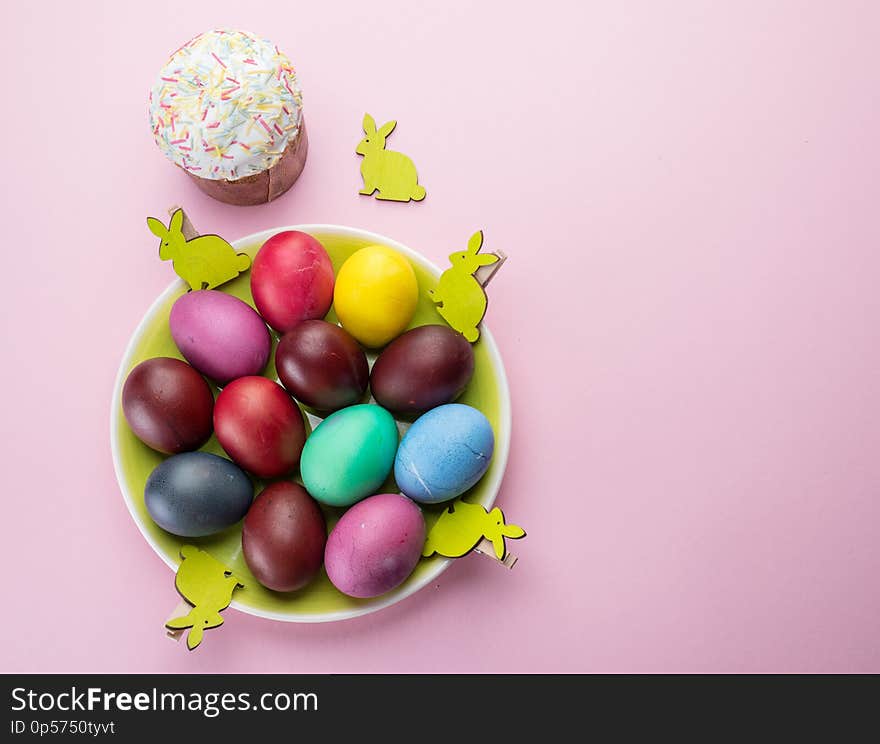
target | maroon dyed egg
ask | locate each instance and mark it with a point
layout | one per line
(425, 367)
(168, 405)
(283, 537)
(259, 426)
(292, 280)
(322, 365)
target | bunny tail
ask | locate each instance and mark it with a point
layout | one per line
(418, 192)
(244, 261)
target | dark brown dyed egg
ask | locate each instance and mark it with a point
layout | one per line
(322, 365)
(168, 405)
(283, 537)
(425, 367)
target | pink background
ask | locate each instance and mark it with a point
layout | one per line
(689, 320)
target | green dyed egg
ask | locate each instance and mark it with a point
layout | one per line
(349, 455)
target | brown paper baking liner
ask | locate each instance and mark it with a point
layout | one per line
(265, 186)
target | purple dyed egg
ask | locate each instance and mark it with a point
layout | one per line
(375, 545)
(221, 336)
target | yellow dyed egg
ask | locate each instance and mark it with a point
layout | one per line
(376, 295)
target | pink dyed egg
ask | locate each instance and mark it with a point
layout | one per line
(220, 335)
(375, 545)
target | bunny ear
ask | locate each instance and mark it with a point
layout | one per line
(387, 128)
(486, 259)
(498, 544)
(369, 125)
(475, 242)
(178, 623)
(157, 228)
(513, 531)
(176, 224)
(194, 637)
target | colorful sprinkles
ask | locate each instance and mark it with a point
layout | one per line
(225, 105)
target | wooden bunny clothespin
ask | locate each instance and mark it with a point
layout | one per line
(465, 527)
(207, 586)
(202, 261)
(460, 295)
(390, 173)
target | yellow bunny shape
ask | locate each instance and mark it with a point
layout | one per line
(392, 173)
(204, 262)
(463, 525)
(206, 584)
(461, 299)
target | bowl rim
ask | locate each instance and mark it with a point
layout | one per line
(501, 455)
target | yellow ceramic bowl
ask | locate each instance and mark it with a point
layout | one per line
(320, 601)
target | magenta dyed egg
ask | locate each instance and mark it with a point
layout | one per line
(375, 545)
(220, 335)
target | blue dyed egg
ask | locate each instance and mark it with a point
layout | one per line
(196, 494)
(444, 453)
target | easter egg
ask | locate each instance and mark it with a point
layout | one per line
(376, 295)
(283, 537)
(168, 405)
(194, 494)
(444, 453)
(322, 365)
(220, 335)
(421, 369)
(375, 545)
(349, 455)
(259, 426)
(291, 280)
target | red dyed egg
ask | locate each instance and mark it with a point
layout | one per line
(168, 405)
(322, 365)
(292, 280)
(259, 426)
(283, 537)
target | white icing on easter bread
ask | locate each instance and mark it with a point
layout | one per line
(226, 105)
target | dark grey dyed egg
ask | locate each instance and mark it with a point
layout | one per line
(196, 494)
